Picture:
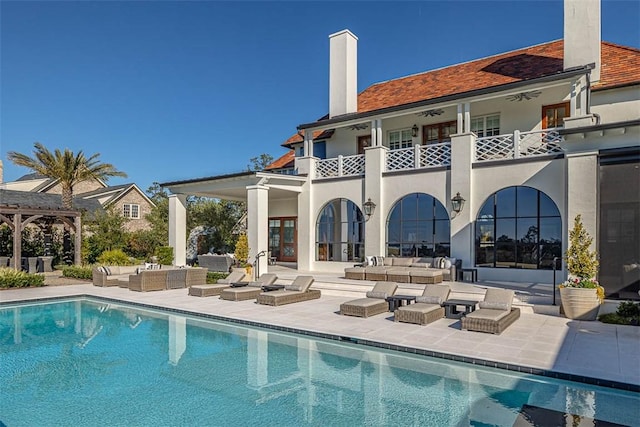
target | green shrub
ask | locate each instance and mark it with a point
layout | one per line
(164, 254)
(613, 318)
(114, 257)
(77, 272)
(10, 278)
(628, 309)
(214, 276)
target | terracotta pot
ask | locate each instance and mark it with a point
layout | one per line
(580, 303)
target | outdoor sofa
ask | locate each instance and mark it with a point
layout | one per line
(374, 303)
(297, 291)
(113, 275)
(495, 313)
(428, 307)
(215, 289)
(424, 270)
(251, 291)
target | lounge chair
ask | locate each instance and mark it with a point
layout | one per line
(495, 313)
(297, 291)
(428, 307)
(374, 303)
(216, 289)
(251, 291)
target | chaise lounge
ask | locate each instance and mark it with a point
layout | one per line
(297, 291)
(217, 288)
(251, 291)
(374, 303)
(428, 307)
(495, 313)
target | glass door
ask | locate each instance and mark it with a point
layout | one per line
(283, 239)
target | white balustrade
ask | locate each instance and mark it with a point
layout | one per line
(340, 166)
(518, 145)
(419, 157)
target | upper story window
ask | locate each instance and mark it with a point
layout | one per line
(486, 125)
(400, 139)
(553, 115)
(439, 132)
(319, 150)
(131, 211)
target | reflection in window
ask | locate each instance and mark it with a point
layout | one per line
(418, 225)
(518, 227)
(340, 232)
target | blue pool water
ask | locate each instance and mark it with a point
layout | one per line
(87, 363)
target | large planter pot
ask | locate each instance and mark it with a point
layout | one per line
(580, 303)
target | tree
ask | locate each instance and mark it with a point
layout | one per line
(581, 262)
(260, 162)
(105, 231)
(68, 168)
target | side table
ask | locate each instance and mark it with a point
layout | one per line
(473, 272)
(396, 301)
(451, 308)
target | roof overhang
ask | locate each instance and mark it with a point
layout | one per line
(234, 186)
(551, 80)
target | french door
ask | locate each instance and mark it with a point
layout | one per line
(283, 238)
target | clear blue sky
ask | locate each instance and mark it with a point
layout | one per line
(177, 90)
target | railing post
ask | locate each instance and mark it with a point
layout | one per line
(555, 266)
(416, 156)
(339, 165)
(516, 144)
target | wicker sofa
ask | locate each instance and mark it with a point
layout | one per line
(113, 275)
(400, 269)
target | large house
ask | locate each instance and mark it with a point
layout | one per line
(128, 199)
(488, 161)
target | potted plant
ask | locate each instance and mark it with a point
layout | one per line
(581, 294)
(241, 253)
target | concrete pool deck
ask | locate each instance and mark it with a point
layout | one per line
(540, 339)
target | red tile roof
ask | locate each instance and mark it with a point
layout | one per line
(620, 66)
(282, 162)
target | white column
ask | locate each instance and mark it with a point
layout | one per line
(178, 228)
(374, 132)
(375, 227)
(308, 143)
(462, 154)
(582, 194)
(460, 118)
(306, 223)
(467, 118)
(258, 224)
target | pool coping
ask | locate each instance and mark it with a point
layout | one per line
(357, 341)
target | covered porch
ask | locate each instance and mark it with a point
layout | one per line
(266, 195)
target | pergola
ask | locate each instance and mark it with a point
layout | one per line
(19, 209)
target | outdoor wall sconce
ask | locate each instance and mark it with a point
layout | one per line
(457, 203)
(369, 208)
(414, 131)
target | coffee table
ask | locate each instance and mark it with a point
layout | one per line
(396, 301)
(451, 307)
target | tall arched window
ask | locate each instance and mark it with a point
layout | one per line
(340, 232)
(518, 227)
(418, 225)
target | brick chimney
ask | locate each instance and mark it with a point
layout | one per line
(582, 35)
(343, 73)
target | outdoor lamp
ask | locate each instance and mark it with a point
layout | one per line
(414, 131)
(369, 208)
(457, 203)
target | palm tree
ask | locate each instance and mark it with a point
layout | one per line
(68, 168)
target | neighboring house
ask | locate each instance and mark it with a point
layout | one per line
(526, 140)
(127, 199)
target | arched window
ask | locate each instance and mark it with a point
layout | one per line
(418, 225)
(518, 227)
(340, 232)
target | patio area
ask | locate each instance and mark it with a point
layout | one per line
(540, 341)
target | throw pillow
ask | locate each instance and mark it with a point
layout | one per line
(102, 270)
(494, 305)
(379, 295)
(370, 261)
(378, 260)
(429, 300)
(447, 263)
(107, 270)
(438, 262)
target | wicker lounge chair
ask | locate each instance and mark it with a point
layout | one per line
(297, 291)
(185, 277)
(216, 289)
(148, 280)
(374, 303)
(428, 307)
(495, 313)
(251, 291)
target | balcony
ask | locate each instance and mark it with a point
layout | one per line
(340, 166)
(419, 157)
(518, 145)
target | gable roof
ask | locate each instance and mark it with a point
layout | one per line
(282, 162)
(115, 192)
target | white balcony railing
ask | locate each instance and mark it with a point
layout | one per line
(419, 157)
(340, 166)
(518, 145)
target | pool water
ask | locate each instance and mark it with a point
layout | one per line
(85, 363)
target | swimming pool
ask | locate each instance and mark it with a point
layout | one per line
(88, 362)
